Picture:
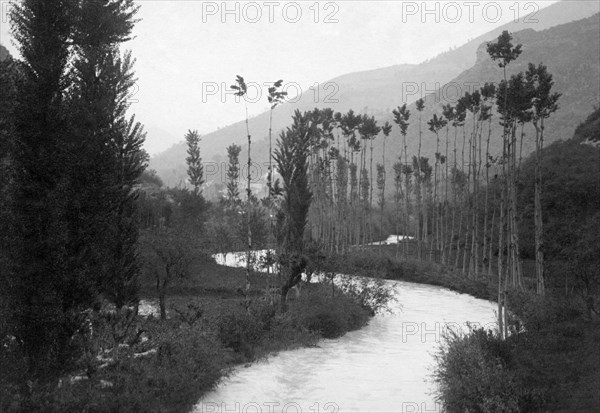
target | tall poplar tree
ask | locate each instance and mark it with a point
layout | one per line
(233, 173)
(195, 169)
(544, 104)
(291, 156)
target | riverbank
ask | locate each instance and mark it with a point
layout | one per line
(139, 364)
(553, 365)
(377, 262)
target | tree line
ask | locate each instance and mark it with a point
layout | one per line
(460, 208)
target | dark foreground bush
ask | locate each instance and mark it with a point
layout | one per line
(167, 379)
(550, 361)
(543, 312)
(474, 374)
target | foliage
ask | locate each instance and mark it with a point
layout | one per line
(372, 294)
(151, 178)
(503, 50)
(243, 331)
(233, 173)
(589, 129)
(473, 374)
(329, 316)
(570, 202)
(194, 161)
(291, 157)
(166, 380)
(168, 255)
(77, 159)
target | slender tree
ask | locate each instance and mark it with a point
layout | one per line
(421, 229)
(401, 117)
(386, 129)
(435, 125)
(488, 91)
(544, 104)
(449, 113)
(233, 173)
(381, 199)
(398, 166)
(503, 52)
(369, 131)
(241, 90)
(194, 161)
(275, 97)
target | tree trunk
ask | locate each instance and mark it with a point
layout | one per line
(539, 229)
(248, 208)
(486, 256)
(284, 292)
(501, 231)
(162, 300)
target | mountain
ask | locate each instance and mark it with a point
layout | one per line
(378, 91)
(572, 54)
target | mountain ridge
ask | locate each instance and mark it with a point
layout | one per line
(375, 92)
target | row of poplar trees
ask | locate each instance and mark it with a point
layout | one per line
(461, 208)
(73, 156)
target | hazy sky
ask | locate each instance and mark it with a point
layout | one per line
(186, 50)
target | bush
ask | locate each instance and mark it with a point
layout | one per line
(329, 316)
(241, 332)
(168, 379)
(474, 374)
(372, 294)
(538, 313)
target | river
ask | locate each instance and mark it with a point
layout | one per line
(383, 367)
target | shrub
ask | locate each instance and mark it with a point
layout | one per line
(474, 374)
(168, 380)
(243, 331)
(330, 316)
(240, 332)
(538, 313)
(372, 294)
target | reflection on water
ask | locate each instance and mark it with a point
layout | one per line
(384, 367)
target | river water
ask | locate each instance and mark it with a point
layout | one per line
(383, 367)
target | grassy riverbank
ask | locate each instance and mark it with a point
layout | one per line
(383, 263)
(553, 365)
(149, 365)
